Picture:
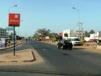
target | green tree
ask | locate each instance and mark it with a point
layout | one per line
(36, 36)
(87, 34)
(41, 33)
(54, 36)
(91, 31)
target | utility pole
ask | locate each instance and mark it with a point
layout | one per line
(79, 24)
(80, 29)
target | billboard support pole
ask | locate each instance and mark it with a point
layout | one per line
(14, 40)
(14, 20)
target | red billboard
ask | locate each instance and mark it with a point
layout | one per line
(14, 19)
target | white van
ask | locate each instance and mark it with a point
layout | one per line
(75, 40)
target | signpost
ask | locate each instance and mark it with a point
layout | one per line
(14, 21)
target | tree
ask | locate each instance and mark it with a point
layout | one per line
(87, 34)
(40, 34)
(54, 36)
(91, 31)
(43, 32)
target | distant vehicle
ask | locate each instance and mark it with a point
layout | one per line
(69, 35)
(75, 40)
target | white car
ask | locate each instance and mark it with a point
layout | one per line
(75, 40)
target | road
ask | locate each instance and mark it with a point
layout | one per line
(58, 62)
(77, 61)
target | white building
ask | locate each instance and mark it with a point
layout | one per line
(3, 37)
(68, 33)
(94, 36)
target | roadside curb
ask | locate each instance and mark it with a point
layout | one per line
(34, 58)
(23, 61)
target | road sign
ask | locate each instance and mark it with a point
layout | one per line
(14, 19)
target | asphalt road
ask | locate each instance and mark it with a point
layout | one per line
(58, 62)
(76, 61)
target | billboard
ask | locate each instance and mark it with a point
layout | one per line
(14, 19)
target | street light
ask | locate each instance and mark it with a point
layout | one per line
(12, 7)
(78, 11)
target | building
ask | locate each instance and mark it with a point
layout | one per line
(94, 36)
(9, 30)
(3, 33)
(68, 33)
(3, 37)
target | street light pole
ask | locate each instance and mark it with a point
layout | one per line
(78, 12)
(12, 7)
(14, 39)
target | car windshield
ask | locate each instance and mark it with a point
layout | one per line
(50, 37)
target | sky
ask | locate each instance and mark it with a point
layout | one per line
(56, 15)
